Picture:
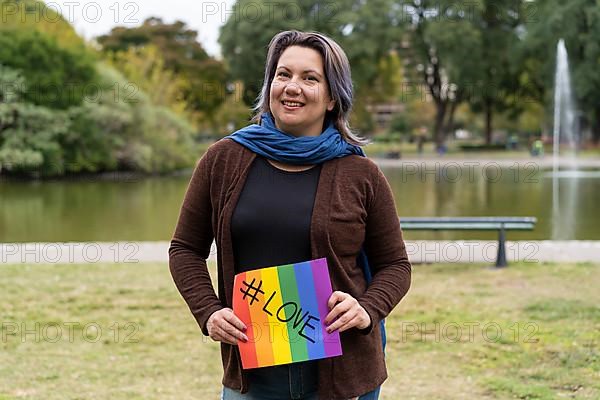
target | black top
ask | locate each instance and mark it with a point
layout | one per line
(271, 226)
(271, 222)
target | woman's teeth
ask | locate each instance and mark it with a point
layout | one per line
(292, 104)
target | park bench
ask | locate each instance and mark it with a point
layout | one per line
(500, 224)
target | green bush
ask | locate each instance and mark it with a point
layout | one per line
(56, 77)
(30, 139)
(152, 138)
(118, 129)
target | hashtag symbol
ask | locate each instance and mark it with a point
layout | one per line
(250, 287)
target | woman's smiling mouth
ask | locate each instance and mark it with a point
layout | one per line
(292, 105)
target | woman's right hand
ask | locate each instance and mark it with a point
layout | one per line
(224, 326)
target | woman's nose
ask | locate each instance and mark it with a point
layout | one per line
(292, 88)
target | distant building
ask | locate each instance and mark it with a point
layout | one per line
(383, 114)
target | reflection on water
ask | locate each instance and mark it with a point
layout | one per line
(147, 209)
(563, 214)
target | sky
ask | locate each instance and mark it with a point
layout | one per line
(97, 17)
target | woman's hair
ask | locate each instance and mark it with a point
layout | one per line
(337, 73)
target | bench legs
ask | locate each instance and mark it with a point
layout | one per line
(501, 257)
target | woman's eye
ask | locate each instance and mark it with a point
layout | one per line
(287, 75)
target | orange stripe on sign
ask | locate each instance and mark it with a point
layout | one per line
(260, 321)
(247, 350)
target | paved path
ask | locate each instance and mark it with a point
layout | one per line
(433, 251)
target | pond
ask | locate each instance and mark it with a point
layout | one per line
(566, 206)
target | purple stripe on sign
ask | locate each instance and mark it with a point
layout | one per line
(331, 341)
(309, 303)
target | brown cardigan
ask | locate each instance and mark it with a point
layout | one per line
(353, 204)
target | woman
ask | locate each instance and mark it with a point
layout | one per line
(293, 187)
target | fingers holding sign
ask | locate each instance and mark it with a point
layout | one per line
(224, 326)
(346, 312)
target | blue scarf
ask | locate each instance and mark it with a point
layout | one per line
(268, 141)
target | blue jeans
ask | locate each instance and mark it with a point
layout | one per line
(296, 381)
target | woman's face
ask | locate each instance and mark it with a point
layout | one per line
(299, 78)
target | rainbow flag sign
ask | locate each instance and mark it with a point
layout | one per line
(284, 308)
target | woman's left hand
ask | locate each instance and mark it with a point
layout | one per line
(345, 313)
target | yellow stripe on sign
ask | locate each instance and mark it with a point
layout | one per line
(273, 301)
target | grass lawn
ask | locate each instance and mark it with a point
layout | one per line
(531, 331)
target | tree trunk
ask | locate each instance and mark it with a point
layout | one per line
(439, 135)
(449, 127)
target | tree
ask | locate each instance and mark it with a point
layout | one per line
(425, 35)
(61, 111)
(497, 22)
(245, 58)
(27, 15)
(122, 129)
(367, 31)
(460, 51)
(145, 68)
(387, 85)
(232, 115)
(28, 133)
(578, 23)
(182, 54)
(56, 77)
(117, 129)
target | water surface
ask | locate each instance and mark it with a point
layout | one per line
(147, 208)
